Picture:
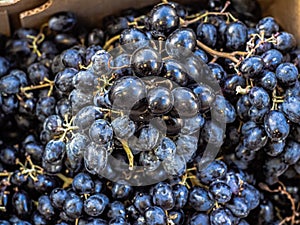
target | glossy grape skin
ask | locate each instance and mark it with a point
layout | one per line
(291, 152)
(132, 39)
(221, 216)
(221, 191)
(200, 199)
(73, 206)
(45, 207)
(142, 201)
(259, 97)
(276, 125)
(231, 83)
(8, 155)
(256, 139)
(272, 59)
(199, 218)
(175, 71)
(58, 197)
(53, 155)
(160, 100)
(9, 84)
(95, 204)
(155, 216)
(166, 148)
(285, 42)
(71, 58)
(146, 62)
(163, 196)
(239, 207)
(101, 132)
(163, 18)
(213, 171)
(123, 127)
(213, 133)
(268, 80)
(186, 103)
(37, 72)
(4, 66)
(251, 67)
(181, 43)
(222, 110)
(207, 33)
(287, 74)
(219, 74)
(268, 26)
(95, 158)
(290, 107)
(121, 191)
(257, 115)
(22, 204)
(242, 107)
(180, 193)
(235, 36)
(149, 160)
(127, 92)
(202, 55)
(62, 22)
(45, 107)
(63, 80)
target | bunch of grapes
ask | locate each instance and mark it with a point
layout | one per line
(170, 115)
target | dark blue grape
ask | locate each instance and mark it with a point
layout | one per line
(221, 191)
(132, 38)
(62, 21)
(291, 152)
(73, 206)
(200, 199)
(45, 207)
(285, 42)
(83, 184)
(163, 18)
(181, 43)
(58, 197)
(259, 97)
(217, 169)
(163, 196)
(142, 201)
(272, 59)
(251, 67)
(268, 26)
(238, 207)
(222, 216)
(146, 62)
(166, 148)
(287, 74)
(235, 36)
(276, 125)
(207, 33)
(291, 108)
(155, 216)
(95, 204)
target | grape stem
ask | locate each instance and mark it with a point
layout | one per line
(282, 190)
(48, 83)
(128, 153)
(109, 42)
(215, 53)
(67, 180)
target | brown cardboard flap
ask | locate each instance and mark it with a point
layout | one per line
(33, 13)
(13, 9)
(286, 13)
(4, 25)
(88, 11)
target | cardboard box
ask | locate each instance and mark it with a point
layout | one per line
(32, 13)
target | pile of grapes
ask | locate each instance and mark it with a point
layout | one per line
(168, 115)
